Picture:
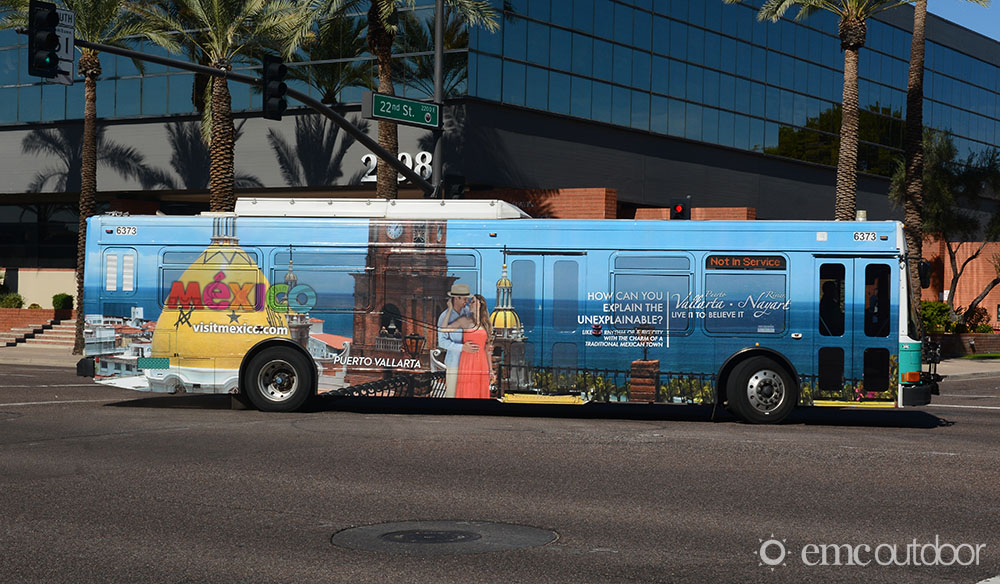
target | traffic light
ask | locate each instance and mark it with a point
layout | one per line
(274, 103)
(680, 209)
(43, 39)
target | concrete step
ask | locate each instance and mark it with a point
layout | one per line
(46, 340)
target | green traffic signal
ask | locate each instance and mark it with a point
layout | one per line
(43, 41)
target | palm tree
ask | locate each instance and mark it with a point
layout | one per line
(191, 158)
(317, 157)
(383, 17)
(914, 149)
(106, 22)
(417, 37)
(853, 16)
(340, 38)
(227, 31)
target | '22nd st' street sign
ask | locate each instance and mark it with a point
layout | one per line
(379, 106)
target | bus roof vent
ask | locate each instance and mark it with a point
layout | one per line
(378, 208)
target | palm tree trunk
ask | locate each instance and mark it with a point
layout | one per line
(221, 180)
(852, 38)
(380, 41)
(90, 67)
(847, 158)
(913, 200)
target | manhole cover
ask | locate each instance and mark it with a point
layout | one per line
(442, 537)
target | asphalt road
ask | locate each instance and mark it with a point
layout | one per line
(106, 485)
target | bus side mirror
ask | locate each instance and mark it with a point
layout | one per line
(924, 271)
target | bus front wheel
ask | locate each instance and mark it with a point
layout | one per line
(278, 380)
(761, 392)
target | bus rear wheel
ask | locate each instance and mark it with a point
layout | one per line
(278, 380)
(761, 392)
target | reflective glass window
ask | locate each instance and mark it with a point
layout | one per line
(75, 101)
(679, 9)
(9, 66)
(581, 92)
(621, 102)
(696, 46)
(154, 95)
(562, 15)
(757, 134)
(583, 15)
(713, 42)
(53, 102)
(741, 132)
(513, 83)
(623, 24)
(8, 104)
(772, 103)
(559, 92)
(179, 94)
(641, 28)
(604, 18)
(537, 88)
(696, 13)
(488, 78)
(515, 32)
(695, 83)
(106, 99)
(733, 59)
(640, 70)
(490, 42)
(29, 103)
(658, 114)
(539, 9)
(742, 102)
(583, 54)
(640, 110)
(692, 121)
(771, 135)
(128, 97)
(757, 99)
(711, 95)
(603, 52)
(678, 79)
(773, 68)
(678, 40)
(661, 35)
(622, 72)
(727, 92)
(660, 75)
(758, 64)
(787, 72)
(600, 109)
(787, 108)
(559, 49)
(538, 43)
(710, 124)
(676, 117)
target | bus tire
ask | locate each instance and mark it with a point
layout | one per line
(278, 379)
(760, 391)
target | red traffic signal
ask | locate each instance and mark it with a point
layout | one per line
(679, 209)
(274, 102)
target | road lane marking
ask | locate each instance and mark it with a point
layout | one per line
(966, 407)
(50, 385)
(45, 403)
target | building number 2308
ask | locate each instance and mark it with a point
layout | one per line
(421, 164)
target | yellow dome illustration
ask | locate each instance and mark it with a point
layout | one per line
(219, 307)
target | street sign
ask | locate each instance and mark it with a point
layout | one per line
(411, 112)
(66, 30)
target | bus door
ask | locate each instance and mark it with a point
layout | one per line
(547, 294)
(876, 314)
(855, 337)
(834, 325)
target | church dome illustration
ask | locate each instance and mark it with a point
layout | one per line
(218, 306)
(506, 323)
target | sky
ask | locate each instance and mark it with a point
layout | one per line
(985, 21)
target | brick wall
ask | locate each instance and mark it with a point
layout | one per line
(12, 318)
(967, 344)
(701, 213)
(589, 203)
(976, 276)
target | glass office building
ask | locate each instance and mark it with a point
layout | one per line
(649, 97)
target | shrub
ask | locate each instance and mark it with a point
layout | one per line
(984, 328)
(35, 306)
(976, 317)
(62, 301)
(13, 300)
(937, 317)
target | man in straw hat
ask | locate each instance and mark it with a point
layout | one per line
(449, 338)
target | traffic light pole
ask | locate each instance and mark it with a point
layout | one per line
(315, 104)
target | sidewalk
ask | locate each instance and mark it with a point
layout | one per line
(40, 355)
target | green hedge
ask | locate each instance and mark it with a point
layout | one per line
(62, 301)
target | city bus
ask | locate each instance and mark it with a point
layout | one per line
(286, 299)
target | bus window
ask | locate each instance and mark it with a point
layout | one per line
(876, 370)
(831, 300)
(522, 275)
(877, 300)
(745, 303)
(831, 369)
(566, 294)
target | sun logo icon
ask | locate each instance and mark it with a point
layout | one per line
(771, 552)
